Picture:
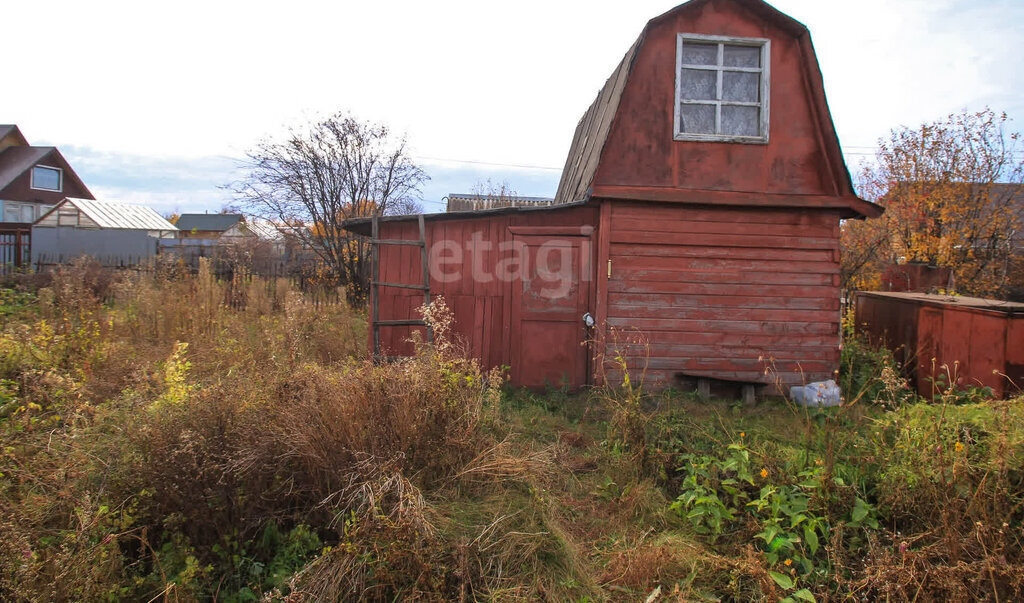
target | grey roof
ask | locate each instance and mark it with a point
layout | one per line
(6, 129)
(110, 214)
(212, 222)
(14, 161)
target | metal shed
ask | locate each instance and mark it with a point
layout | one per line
(720, 250)
(968, 340)
(109, 231)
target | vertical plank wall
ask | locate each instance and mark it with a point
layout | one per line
(714, 290)
(481, 307)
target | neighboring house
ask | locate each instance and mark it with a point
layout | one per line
(473, 202)
(698, 211)
(33, 179)
(253, 229)
(205, 226)
(202, 235)
(113, 233)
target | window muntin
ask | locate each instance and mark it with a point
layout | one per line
(722, 88)
(19, 212)
(46, 178)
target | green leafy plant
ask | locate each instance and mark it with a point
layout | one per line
(714, 489)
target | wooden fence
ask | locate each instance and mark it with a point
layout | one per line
(237, 278)
(15, 246)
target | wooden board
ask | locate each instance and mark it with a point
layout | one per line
(726, 292)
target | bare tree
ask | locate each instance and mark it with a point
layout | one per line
(499, 191)
(323, 173)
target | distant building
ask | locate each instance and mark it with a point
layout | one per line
(33, 179)
(206, 226)
(110, 232)
(472, 202)
(254, 229)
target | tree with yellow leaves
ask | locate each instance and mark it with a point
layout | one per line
(953, 198)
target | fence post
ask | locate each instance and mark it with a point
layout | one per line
(17, 249)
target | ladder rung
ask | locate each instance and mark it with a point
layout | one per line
(402, 286)
(397, 242)
(400, 323)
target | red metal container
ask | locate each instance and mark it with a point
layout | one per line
(968, 340)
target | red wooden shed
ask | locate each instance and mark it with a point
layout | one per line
(966, 340)
(699, 205)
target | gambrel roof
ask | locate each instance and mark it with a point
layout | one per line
(592, 131)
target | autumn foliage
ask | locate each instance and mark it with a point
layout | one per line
(953, 198)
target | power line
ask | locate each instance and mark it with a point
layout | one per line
(866, 152)
(475, 162)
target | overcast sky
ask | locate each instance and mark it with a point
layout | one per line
(154, 102)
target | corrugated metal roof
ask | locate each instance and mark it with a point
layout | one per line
(471, 202)
(110, 214)
(362, 225)
(261, 228)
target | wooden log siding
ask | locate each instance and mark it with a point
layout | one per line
(718, 291)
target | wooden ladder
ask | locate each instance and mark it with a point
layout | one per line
(375, 284)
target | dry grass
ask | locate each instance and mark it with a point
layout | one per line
(159, 442)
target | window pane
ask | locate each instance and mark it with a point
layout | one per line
(740, 121)
(740, 86)
(46, 178)
(742, 56)
(697, 119)
(699, 54)
(28, 213)
(698, 84)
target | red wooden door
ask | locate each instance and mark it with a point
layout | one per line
(549, 299)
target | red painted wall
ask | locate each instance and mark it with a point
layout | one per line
(640, 150)
(971, 346)
(482, 309)
(718, 291)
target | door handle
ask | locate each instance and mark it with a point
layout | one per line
(588, 320)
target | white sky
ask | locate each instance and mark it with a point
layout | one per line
(148, 100)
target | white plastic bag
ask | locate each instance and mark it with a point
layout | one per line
(820, 393)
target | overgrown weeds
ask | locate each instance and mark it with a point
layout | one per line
(162, 439)
(168, 444)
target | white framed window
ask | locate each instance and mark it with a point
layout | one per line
(722, 88)
(46, 178)
(19, 212)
